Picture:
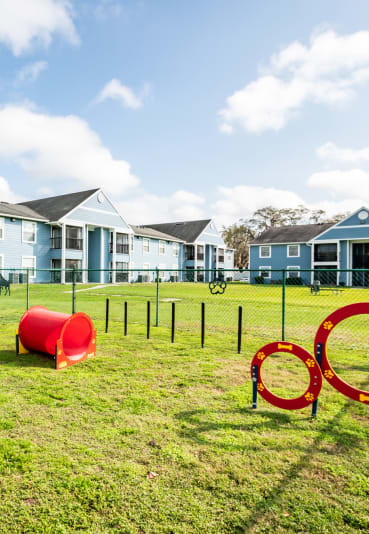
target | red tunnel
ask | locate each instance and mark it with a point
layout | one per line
(69, 338)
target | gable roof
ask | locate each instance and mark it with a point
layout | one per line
(187, 231)
(297, 233)
(54, 208)
(151, 232)
(20, 212)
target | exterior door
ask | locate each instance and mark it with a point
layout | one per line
(360, 260)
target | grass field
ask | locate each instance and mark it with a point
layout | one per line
(76, 445)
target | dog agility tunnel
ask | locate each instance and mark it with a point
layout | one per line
(68, 338)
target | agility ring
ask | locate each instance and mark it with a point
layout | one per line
(321, 338)
(315, 384)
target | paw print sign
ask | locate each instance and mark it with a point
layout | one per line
(317, 368)
(217, 287)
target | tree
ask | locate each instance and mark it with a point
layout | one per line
(238, 237)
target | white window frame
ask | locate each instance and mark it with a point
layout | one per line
(175, 249)
(161, 244)
(146, 240)
(288, 250)
(263, 268)
(29, 242)
(162, 267)
(35, 266)
(174, 273)
(268, 247)
(295, 268)
(2, 227)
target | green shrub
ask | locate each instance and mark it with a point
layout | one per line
(259, 279)
(294, 282)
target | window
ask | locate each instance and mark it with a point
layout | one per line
(293, 271)
(73, 238)
(265, 271)
(69, 264)
(190, 252)
(56, 237)
(28, 232)
(161, 271)
(265, 251)
(29, 262)
(122, 246)
(174, 274)
(175, 249)
(229, 255)
(146, 245)
(293, 251)
(325, 252)
(121, 275)
(131, 240)
(161, 248)
(221, 255)
(200, 252)
(1, 227)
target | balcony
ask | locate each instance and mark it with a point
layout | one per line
(190, 253)
(73, 243)
(221, 259)
(56, 242)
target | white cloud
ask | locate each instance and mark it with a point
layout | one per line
(108, 8)
(326, 72)
(148, 208)
(333, 153)
(50, 147)
(353, 183)
(6, 194)
(24, 23)
(30, 72)
(116, 91)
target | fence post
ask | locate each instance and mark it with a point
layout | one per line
(202, 324)
(27, 289)
(148, 320)
(318, 357)
(283, 302)
(74, 290)
(239, 341)
(157, 297)
(125, 317)
(254, 387)
(107, 316)
(173, 319)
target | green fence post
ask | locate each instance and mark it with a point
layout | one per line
(283, 303)
(157, 297)
(27, 288)
(74, 290)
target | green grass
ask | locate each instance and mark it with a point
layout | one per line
(76, 445)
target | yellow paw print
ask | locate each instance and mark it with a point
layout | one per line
(328, 374)
(309, 396)
(328, 325)
(260, 387)
(261, 355)
(310, 362)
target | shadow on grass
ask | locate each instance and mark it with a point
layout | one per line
(10, 359)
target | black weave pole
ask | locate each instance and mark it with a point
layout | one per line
(173, 319)
(148, 319)
(125, 317)
(239, 340)
(107, 316)
(202, 324)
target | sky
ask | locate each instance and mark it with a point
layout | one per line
(186, 110)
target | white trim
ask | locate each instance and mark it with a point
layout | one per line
(78, 205)
(265, 246)
(281, 243)
(177, 249)
(35, 265)
(293, 268)
(265, 268)
(62, 255)
(288, 250)
(23, 218)
(102, 255)
(3, 227)
(29, 242)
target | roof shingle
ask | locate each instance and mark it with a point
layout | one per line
(298, 233)
(187, 231)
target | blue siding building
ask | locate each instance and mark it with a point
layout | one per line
(344, 245)
(85, 230)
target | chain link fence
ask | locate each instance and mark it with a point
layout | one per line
(276, 304)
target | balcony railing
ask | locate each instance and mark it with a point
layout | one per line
(73, 243)
(56, 242)
(200, 256)
(121, 248)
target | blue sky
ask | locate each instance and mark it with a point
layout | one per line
(185, 110)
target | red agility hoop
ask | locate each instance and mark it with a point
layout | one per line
(322, 337)
(315, 374)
